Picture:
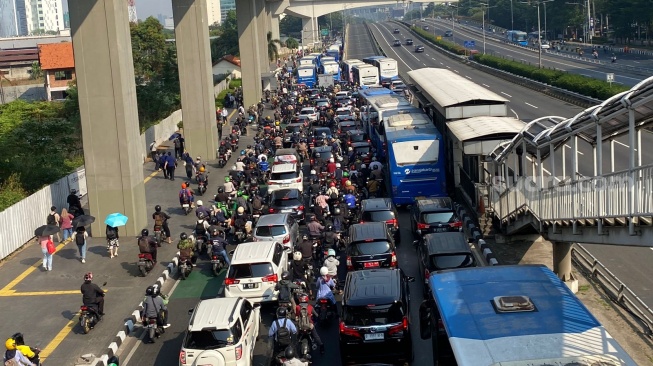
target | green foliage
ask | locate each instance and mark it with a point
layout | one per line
(233, 84)
(36, 72)
(11, 191)
(449, 46)
(149, 49)
(227, 43)
(273, 47)
(292, 43)
(236, 83)
(291, 26)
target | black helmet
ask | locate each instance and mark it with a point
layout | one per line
(215, 232)
(290, 352)
(145, 232)
(150, 291)
(249, 146)
(281, 312)
(330, 227)
(157, 208)
(285, 275)
(183, 236)
(220, 190)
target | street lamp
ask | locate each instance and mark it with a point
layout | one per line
(453, 22)
(539, 29)
(512, 19)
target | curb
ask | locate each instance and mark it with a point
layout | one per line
(134, 317)
(475, 233)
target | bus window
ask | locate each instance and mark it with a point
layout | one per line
(416, 152)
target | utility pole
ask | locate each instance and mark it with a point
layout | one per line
(539, 28)
(512, 19)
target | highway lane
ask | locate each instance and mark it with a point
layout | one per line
(619, 259)
(358, 37)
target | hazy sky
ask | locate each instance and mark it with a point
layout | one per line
(145, 8)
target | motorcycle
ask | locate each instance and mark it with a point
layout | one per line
(217, 262)
(159, 235)
(281, 358)
(240, 236)
(185, 267)
(20, 341)
(186, 207)
(324, 310)
(89, 316)
(305, 343)
(145, 263)
(201, 188)
(153, 330)
(201, 244)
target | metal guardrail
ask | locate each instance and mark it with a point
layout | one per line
(613, 287)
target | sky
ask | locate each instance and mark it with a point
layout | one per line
(145, 8)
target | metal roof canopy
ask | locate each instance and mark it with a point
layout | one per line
(446, 88)
(528, 134)
(485, 128)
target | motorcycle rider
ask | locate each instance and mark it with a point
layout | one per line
(332, 192)
(147, 244)
(229, 187)
(240, 220)
(332, 263)
(201, 227)
(285, 288)
(310, 310)
(222, 196)
(282, 337)
(154, 307)
(218, 245)
(202, 176)
(325, 285)
(92, 295)
(315, 229)
(201, 210)
(331, 236)
(290, 358)
(14, 355)
(161, 219)
(186, 196)
(306, 249)
(32, 353)
(186, 247)
(241, 200)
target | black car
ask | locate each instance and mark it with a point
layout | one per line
(363, 149)
(409, 41)
(434, 215)
(396, 31)
(346, 123)
(355, 136)
(290, 201)
(375, 316)
(448, 33)
(381, 210)
(324, 151)
(319, 134)
(292, 128)
(438, 252)
(419, 48)
(370, 246)
(396, 43)
(322, 104)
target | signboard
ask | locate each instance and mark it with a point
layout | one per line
(469, 44)
(439, 38)
(324, 32)
(609, 77)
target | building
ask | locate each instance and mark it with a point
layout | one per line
(225, 6)
(228, 65)
(43, 15)
(213, 11)
(12, 18)
(169, 23)
(17, 64)
(58, 65)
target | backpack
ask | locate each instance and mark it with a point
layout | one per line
(79, 238)
(256, 203)
(158, 220)
(111, 233)
(304, 320)
(283, 334)
(51, 220)
(11, 362)
(199, 228)
(334, 196)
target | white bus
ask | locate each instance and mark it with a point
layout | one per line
(388, 71)
(365, 75)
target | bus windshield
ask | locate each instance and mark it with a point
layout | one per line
(416, 152)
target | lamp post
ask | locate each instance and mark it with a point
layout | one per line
(539, 29)
(483, 6)
(512, 19)
(453, 23)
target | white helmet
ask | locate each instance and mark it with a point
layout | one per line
(324, 271)
(297, 256)
(313, 172)
(331, 160)
(241, 210)
(338, 165)
(199, 203)
(363, 166)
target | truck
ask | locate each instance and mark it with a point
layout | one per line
(325, 80)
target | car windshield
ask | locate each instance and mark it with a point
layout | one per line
(367, 248)
(293, 202)
(209, 339)
(325, 155)
(363, 316)
(438, 217)
(348, 128)
(378, 216)
(292, 129)
(343, 112)
(247, 270)
(283, 176)
(440, 262)
(362, 150)
(319, 131)
(322, 103)
(270, 230)
(359, 137)
(307, 111)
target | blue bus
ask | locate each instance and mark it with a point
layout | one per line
(395, 120)
(307, 75)
(333, 69)
(518, 37)
(512, 315)
(415, 164)
(335, 53)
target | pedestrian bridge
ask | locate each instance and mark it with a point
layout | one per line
(610, 207)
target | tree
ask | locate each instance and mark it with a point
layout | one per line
(291, 26)
(273, 47)
(149, 48)
(292, 43)
(36, 72)
(227, 43)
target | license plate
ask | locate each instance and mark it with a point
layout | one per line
(286, 211)
(371, 264)
(285, 184)
(185, 205)
(439, 229)
(373, 336)
(215, 261)
(249, 286)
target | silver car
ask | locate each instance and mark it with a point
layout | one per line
(282, 228)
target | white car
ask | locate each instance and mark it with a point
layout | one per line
(255, 269)
(286, 175)
(221, 331)
(345, 111)
(310, 112)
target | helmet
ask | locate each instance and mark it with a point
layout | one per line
(276, 123)
(324, 271)
(313, 172)
(198, 158)
(202, 169)
(363, 166)
(345, 174)
(281, 312)
(317, 155)
(88, 276)
(201, 215)
(200, 203)
(332, 184)
(290, 352)
(304, 237)
(329, 227)
(240, 193)
(10, 344)
(285, 275)
(220, 190)
(350, 148)
(331, 160)
(338, 165)
(297, 256)
(242, 152)
(336, 211)
(303, 298)
(183, 236)
(145, 232)
(267, 118)
(215, 232)
(240, 210)
(332, 252)
(157, 208)
(226, 179)
(150, 291)
(183, 185)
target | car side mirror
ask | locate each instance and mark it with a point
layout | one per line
(190, 311)
(410, 279)
(425, 319)
(257, 305)
(231, 252)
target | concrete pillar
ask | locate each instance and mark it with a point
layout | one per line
(562, 260)
(107, 104)
(264, 28)
(195, 76)
(248, 41)
(274, 26)
(308, 32)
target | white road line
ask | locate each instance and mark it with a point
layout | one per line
(456, 71)
(485, 85)
(423, 64)
(432, 58)
(468, 77)
(506, 94)
(531, 105)
(448, 67)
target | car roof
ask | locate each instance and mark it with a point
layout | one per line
(446, 243)
(285, 193)
(272, 219)
(434, 204)
(368, 231)
(355, 132)
(216, 313)
(346, 121)
(295, 124)
(360, 144)
(376, 204)
(321, 100)
(322, 149)
(253, 252)
(372, 287)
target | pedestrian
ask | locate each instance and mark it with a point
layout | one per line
(163, 159)
(178, 150)
(170, 166)
(188, 164)
(47, 256)
(79, 237)
(112, 240)
(54, 219)
(66, 224)
(153, 151)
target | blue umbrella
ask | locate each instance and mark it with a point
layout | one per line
(116, 219)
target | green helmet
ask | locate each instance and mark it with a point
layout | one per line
(345, 174)
(226, 179)
(240, 193)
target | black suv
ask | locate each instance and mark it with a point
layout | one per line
(438, 252)
(396, 31)
(434, 215)
(409, 41)
(381, 210)
(290, 201)
(375, 316)
(370, 246)
(396, 43)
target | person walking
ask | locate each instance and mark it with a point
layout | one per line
(112, 240)
(170, 166)
(163, 159)
(178, 150)
(66, 224)
(153, 151)
(79, 237)
(47, 257)
(54, 219)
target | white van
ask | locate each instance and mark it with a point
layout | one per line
(255, 269)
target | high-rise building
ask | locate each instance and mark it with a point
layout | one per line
(43, 15)
(13, 20)
(66, 20)
(213, 11)
(225, 6)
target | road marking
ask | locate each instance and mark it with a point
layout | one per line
(150, 177)
(456, 71)
(29, 270)
(38, 293)
(434, 59)
(506, 94)
(468, 77)
(513, 111)
(531, 105)
(54, 343)
(423, 64)
(485, 85)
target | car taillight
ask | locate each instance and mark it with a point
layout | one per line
(300, 208)
(298, 180)
(456, 223)
(393, 260)
(182, 357)
(254, 239)
(323, 301)
(231, 281)
(345, 330)
(392, 222)
(349, 265)
(286, 239)
(270, 278)
(399, 328)
(421, 226)
(271, 210)
(440, 326)
(239, 352)
(427, 274)
(83, 308)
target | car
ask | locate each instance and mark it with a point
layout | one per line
(345, 111)
(285, 175)
(343, 94)
(409, 41)
(380, 210)
(419, 48)
(346, 124)
(280, 227)
(356, 135)
(289, 130)
(396, 31)
(322, 104)
(301, 119)
(255, 269)
(375, 316)
(434, 215)
(448, 33)
(545, 45)
(310, 112)
(426, 27)
(288, 155)
(396, 43)
(221, 331)
(370, 246)
(287, 201)
(363, 150)
(319, 134)
(437, 252)
(324, 151)
(312, 93)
